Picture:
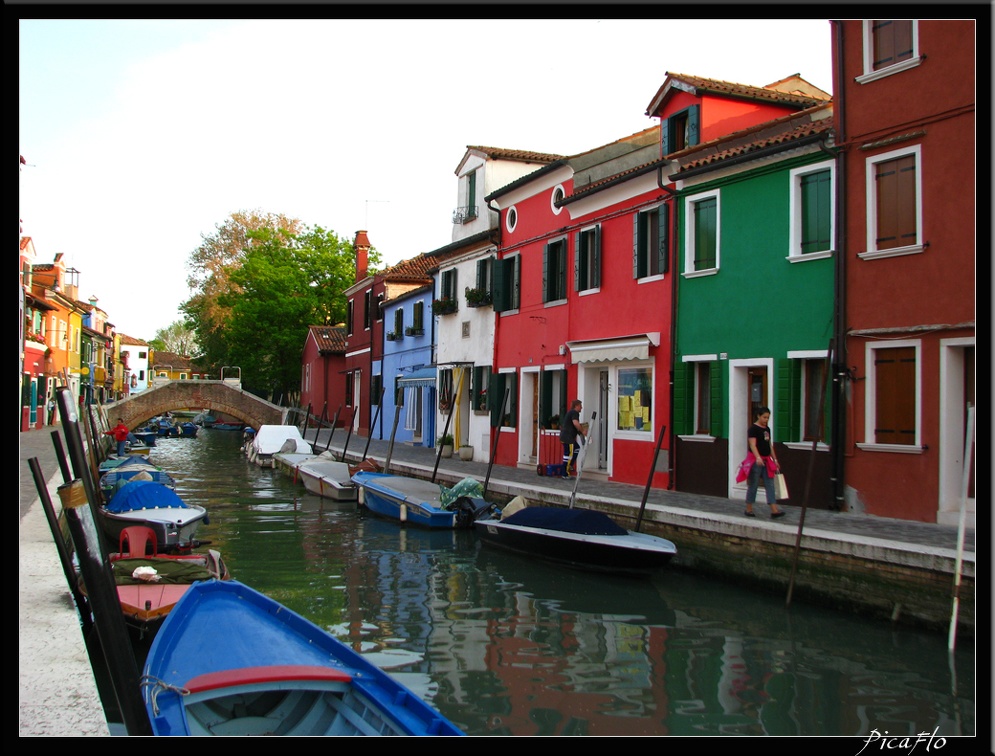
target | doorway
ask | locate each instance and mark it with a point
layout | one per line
(749, 389)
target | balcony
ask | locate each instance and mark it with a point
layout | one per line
(465, 214)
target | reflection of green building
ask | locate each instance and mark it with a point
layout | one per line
(755, 303)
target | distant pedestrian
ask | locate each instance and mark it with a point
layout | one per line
(570, 431)
(120, 433)
(51, 411)
(765, 464)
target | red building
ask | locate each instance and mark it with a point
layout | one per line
(323, 374)
(906, 130)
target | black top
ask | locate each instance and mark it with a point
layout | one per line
(762, 435)
(568, 431)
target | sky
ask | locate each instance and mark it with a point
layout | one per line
(142, 137)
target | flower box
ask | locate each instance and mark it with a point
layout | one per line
(444, 306)
(412, 331)
(478, 297)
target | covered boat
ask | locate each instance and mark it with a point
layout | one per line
(580, 538)
(229, 660)
(145, 502)
(113, 480)
(417, 501)
(272, 439)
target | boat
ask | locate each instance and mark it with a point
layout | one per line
(271, 439)
(229, 660)
(227, 426)
(188, 429)
(145, 502)
(288, 462)
(143, 436)
(113, 480)
(328, 479)
(580, 538)
(149, 583)
(115, 462)
(417, 501)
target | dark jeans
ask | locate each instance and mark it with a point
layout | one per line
(757, 473)
(121, 448)
(570, 457)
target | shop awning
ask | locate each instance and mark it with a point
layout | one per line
(635, 347)
(417, 378)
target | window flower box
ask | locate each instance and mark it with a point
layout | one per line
(444, 306)
(412, 331)
(477, 297)
(391, 336)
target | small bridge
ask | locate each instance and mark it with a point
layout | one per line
(214, 396)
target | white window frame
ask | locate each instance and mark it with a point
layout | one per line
(868, 55)
(806, 355)
(870, 398)
(795, 209)
(511, 219)
(697, 359)
(558, 190)
(689, 203)
(870, 164)
(633, 435)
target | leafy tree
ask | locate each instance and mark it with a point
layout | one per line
(176, 338)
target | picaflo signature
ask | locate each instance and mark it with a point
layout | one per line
(906, 743)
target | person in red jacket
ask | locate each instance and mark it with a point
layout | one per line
(120, 433)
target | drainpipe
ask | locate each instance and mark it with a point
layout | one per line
(673, 324)
(839, 322)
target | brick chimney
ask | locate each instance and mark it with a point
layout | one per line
(362, 247)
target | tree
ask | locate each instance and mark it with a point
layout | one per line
(176, 338)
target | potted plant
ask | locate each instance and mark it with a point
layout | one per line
(412, 331)
(466, 453)
(391, 336)
(553, 422)
(446, 444)
(477, 297)
(443, 306)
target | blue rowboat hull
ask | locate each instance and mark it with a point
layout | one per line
(407, 500)
(229, 660)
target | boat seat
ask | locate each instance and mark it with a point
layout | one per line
(137, 541)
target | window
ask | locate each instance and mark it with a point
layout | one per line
(471, 195)
(418, 317)
(894, 210)
(554, 271)
(349, 313)
(504, 383)
(635, 399)
(587, 270)
(350, 383)
(399, 323)
(890, 46)
(511, 219)
(680, 131)
(143, 355)
(557, 196)
(379, 310)
(367, 308)
(485, 272)
(448, 288)
(813, 372)
(445, 390)
(552, 395)
(507, 283)
(651, 245)
(893, 388)
(813, 211)
(702, 234)
(376, 389)
(478, 391)
(698, 408)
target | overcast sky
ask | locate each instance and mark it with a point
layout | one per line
(141, 137)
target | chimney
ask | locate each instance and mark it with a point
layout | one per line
(362, 247)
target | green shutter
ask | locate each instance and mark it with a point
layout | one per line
(635, 245)
(594, 276)
(788, 399)
(694, 129)
(683, 418)
(545, 274)
(546, 402)
(663, 229)
(578, 261)
(717, 395)
(500, 282)
(664, 137)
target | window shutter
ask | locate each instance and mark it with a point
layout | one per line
(545, 274)
(664, 136)
(480, 274)
(663, 231)
(717, 394)
(594, 276)
(578, 261)
(635, 245)
(501, 288)
(788, 399)
(547, 406)
(683, 398)
(694, 128)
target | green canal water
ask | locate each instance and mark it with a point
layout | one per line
(505, 645)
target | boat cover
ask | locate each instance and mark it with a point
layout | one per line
(144, 494)
(167, 571)
(270, 439)
(582, 521)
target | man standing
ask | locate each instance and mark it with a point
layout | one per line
(120, 433)
(570, 430)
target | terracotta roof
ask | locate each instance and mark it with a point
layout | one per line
(329, 338)
(500, 153)
(608, 181)
(699, 84)
(132, 341)
(791, 128)
(172, 360)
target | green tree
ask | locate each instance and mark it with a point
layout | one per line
(177, 338)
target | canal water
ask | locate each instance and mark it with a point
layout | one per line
(503, 644)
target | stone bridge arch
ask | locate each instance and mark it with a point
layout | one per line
(214, 396)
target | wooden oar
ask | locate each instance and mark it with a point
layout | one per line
(581, 455)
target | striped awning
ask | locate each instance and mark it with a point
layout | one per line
(635, 347)
(418, 378)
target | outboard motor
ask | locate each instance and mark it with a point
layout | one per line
(468, 509)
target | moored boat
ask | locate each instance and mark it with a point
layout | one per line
(113, 480)
(415, 501)
(328, 479)
(274, 673)
(579, 538)
(145, 502)
(272, 439)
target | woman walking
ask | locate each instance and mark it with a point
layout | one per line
(764, 465)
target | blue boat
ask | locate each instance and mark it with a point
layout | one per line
(229, 660)
(188, 430)
(415, 501)
(113, 480)
(145, 502)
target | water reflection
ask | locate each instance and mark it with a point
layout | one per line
(507, 645)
